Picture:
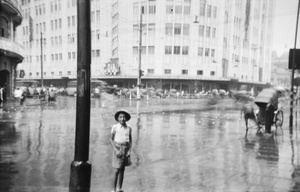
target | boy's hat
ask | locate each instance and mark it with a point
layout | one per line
(127, 115)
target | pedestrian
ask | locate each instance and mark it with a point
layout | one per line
(1, 96)
(121, 141)
(22, 98)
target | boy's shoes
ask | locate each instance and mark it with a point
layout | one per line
(119, 190)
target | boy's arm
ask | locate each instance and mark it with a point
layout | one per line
(130, 142)
(112, 141)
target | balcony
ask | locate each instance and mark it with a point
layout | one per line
(11, 49)
(13, 8)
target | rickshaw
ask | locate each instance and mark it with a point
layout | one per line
(266, 99)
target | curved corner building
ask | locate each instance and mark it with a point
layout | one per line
(189, 45)
(11, 53)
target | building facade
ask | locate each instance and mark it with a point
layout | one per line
(11, 53)
(187, 45)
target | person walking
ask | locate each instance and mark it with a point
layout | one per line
(121, 141)
(1, 96)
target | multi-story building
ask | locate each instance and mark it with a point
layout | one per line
(11, 53)
(281, 75)
(187, 45)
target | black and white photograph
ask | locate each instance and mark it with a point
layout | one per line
(149, 96)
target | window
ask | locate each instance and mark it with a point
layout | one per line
(135, 8)
(152, 9)
(144, 9)
(98, 34)
(98, 16)
(177, 29)
(73, 55)
(73, 20)
(167, 71)
(69, 72)
(98, 53)
(184, 72)
(169, 28)
(56, 57)
(135, 50)
(150, 71)
(151, 28)
(168, 50)
(143, 50)
(55, 24)
(199, 72)
(60, 56)
(213, 32)
(69, 55)
(201, 30)
(202, 7)
(212, 73)
(215, 13)
(212, 53)
(169, 9)
(150, 50)
(207, 31)
(92, 17)
(207, 52)
(51, 25)
(200, 51)
(45, 73)
(37, 74)
(176, 50)
(185, 50)
(186, 29)
(69, 21)
(178, 9)
(60, 23)
(187, 10)
(52, 73)
(52, 57)
(60, 73)
(209, 11)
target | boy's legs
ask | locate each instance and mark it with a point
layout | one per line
(121, 177)
(115, 180)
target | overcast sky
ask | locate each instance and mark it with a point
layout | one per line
(285, 26)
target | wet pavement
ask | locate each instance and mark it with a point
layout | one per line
(178, 145)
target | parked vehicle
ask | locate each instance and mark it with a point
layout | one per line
(71, 89)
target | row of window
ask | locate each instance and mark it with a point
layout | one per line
(60, 73)
(183, 72)
(55, 6)
(176, 50)
(150, 71)
(208, 8)
(184, 29)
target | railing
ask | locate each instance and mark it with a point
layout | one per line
(9, 45)
(13, 3)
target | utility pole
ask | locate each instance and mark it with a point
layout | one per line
(293, 72)
(42, 79)
(139, 82)
(80, 177)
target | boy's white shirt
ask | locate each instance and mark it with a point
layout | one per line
(121, 133)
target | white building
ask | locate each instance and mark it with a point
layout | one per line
(186, 44)
(11, 53)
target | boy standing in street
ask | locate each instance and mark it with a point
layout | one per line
(121, 141)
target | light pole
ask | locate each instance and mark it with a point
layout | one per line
(42, 79)
(81, 168)
(138, 96)
(293, 72)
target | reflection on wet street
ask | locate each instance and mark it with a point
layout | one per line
(177, 146)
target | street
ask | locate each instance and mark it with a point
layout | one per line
(178, 145)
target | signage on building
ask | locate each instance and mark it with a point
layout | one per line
(112, 67)
(297, 59)
(22, 73)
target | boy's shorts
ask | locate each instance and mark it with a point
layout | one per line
(120, 160)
